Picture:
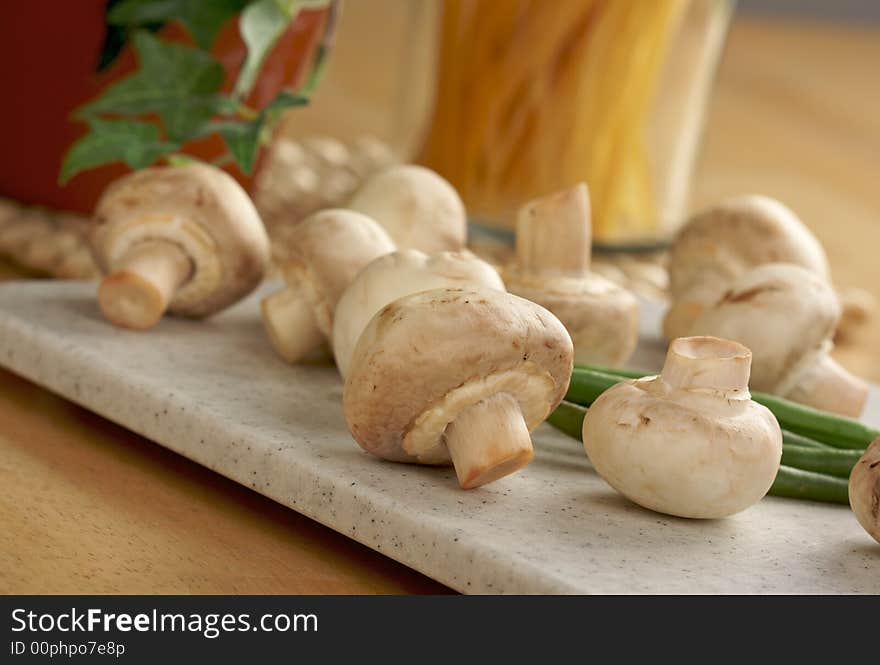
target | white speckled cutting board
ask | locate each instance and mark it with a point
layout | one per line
(214, 392)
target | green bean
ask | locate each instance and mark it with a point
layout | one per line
(614, 371)
(831, 461)
(800, 484)
(569, 419)
(587, 385)
(792, 439)
(837, 431)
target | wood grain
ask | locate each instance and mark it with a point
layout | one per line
(88, 507)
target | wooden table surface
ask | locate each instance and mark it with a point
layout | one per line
(88, 507)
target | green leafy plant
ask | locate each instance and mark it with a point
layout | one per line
(175, 94)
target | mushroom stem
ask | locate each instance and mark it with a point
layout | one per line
(829, 387)
(137, 293)
(708, 363)
(553, 233)
(290, 323)
(489, 440)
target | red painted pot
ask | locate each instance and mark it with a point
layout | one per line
(48, 53)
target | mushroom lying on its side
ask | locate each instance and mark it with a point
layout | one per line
(786, 315)
(184, 238)
(396, 275)
(418, 208)
(689, 442)
(553, 269)
(719, 244)
(326, 251)
(864, 490)
(460, 375)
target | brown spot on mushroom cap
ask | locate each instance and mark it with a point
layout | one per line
(747, 294)
(464, 335)
(198, 194)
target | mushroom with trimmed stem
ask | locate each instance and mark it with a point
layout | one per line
(186, 239)
(326, 251)
(418, 208)
(719, 244)
(786, 315)
(552, 268)
(396, 275)
(689, 442)
(457, 375)
(864, 490)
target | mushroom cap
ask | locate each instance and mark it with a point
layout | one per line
(864, 490)
(396, 275)
(682, 452)
(418, 208)
(783, 313)
(720, 243)
(601, 316)
(327, 250)
(425, 358)
(198, 207)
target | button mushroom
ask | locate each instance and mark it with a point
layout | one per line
(689, 442)
(186, 239)
(864, 490)
(418, 208)
(553, 269)
(325, 252)
(786, 315)
(460, 375)
(719, 244)
(396, 275)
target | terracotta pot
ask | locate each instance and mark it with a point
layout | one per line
(48, 52)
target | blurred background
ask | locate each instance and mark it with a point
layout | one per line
(662, 108)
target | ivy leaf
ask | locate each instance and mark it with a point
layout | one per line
(115, 40)
(261, 25)
(177, 82)
(136, 143)
(203, 19)
(244, 137)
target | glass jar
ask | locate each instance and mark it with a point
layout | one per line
(533, 96)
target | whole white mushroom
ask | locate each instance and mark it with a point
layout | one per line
(552, 268)
(689, 442)
(457, 376)
(186, 239)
